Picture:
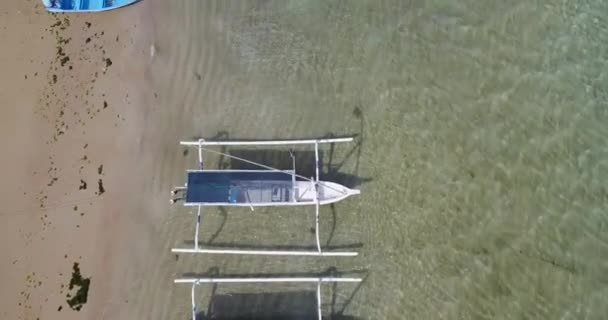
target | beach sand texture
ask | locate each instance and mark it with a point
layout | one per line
(73, 106)
(482, 154)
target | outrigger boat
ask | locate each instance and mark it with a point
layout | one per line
(84, 5)
(255, 188)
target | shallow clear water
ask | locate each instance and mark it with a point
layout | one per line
(483, 156)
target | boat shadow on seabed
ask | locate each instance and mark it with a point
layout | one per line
(281, 305)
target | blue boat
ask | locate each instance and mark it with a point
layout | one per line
(84, 5)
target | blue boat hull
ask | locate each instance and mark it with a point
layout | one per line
(85, 5)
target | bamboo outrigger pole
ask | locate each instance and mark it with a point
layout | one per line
(203, 142)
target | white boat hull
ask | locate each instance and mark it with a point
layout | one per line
(329, 192)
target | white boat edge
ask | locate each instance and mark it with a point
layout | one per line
(337, 191)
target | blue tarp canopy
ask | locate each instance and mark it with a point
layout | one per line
(214, 186)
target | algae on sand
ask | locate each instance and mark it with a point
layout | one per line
(82, 284)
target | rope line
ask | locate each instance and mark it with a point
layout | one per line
(271, 168)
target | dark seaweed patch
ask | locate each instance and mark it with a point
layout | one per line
(358, 113)
(53, 180)
(64, 60)
(80, 298)
(100, 187)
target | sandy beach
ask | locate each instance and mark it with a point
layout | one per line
(73, 95)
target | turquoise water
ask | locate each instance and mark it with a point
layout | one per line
(483, 150)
